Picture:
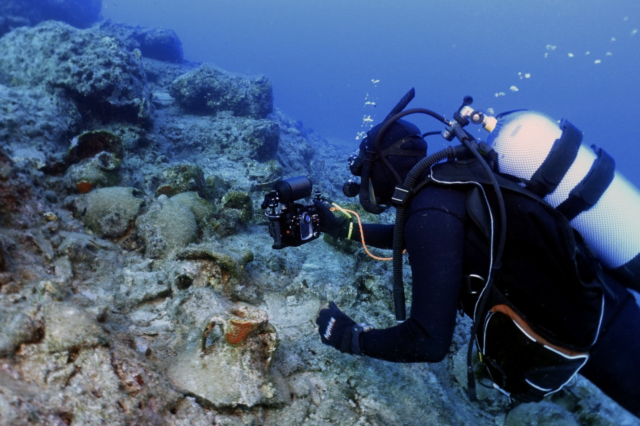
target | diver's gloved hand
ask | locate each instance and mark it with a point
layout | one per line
(336, 226)
(335, 328)
(338, 330)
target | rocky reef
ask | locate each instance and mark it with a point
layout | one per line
(137, 280)
(17, 13)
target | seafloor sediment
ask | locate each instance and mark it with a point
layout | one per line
(137, 280)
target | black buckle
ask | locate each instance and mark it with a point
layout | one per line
(473, 284)
(401, 195)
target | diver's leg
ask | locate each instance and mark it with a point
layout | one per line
(614, 363)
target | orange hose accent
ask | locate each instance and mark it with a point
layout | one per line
(337, 207)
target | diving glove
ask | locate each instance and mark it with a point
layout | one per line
(338, 330)
(336, 226)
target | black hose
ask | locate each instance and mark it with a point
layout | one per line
(466, 139)
(401, 216)
(388, 122)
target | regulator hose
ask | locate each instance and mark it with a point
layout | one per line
(401, 216)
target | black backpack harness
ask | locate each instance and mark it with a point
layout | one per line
(536, 326)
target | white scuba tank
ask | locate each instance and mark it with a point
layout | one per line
(525, 140)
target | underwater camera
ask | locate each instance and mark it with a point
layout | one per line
(291, 224)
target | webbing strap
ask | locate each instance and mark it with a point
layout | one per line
(629, 273)
(396, 148)
(560, 158)
(589, 190)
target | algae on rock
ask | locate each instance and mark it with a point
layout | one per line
(179, 178)
(109, 212)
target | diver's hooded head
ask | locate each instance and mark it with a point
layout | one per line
(386, 165)
(386, 155)
(406, 138)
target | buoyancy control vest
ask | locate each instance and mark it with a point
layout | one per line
(579, 181)
(544, 310)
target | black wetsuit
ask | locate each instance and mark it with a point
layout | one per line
(435, 242)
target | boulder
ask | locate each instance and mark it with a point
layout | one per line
(183, 177)
(109, 212)
(221, 269)
(166, 227)
(233, 138)
(68, 327)
(31, 117)
(228, 363)
(209, 90)
(202, 210)
(155, 43)
(89, 144)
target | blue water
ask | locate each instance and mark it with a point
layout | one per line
(323, 57)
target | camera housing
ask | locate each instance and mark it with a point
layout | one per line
(291, 224)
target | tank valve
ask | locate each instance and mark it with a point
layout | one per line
(479, 117)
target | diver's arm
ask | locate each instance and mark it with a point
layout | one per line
(375, 235)
(434, 239)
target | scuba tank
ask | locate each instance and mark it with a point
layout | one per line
(577, 180)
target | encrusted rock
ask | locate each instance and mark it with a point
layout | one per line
(241, 201)
(31, 118)
(237, 211)
(143, 286)
(233, 138)
(233, 371)
(155, 43)
(97, 72)
(9, 195)
(99, 171)
(79, 13)
(190, 412)
(109, 212)
(68, 327)
(16, 328)
(222, 269)
(202, 209)
(81, 248)
(208, 90)
(180, 178)
(542, 413)
(6, 165)
(166, 227)
(89, 144)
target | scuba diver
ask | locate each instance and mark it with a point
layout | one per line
(487, 238)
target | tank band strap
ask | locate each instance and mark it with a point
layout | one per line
(589, 190)
(629, 274)
(560, 158)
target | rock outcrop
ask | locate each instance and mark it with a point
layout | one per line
(96, 71)
(79, 13)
